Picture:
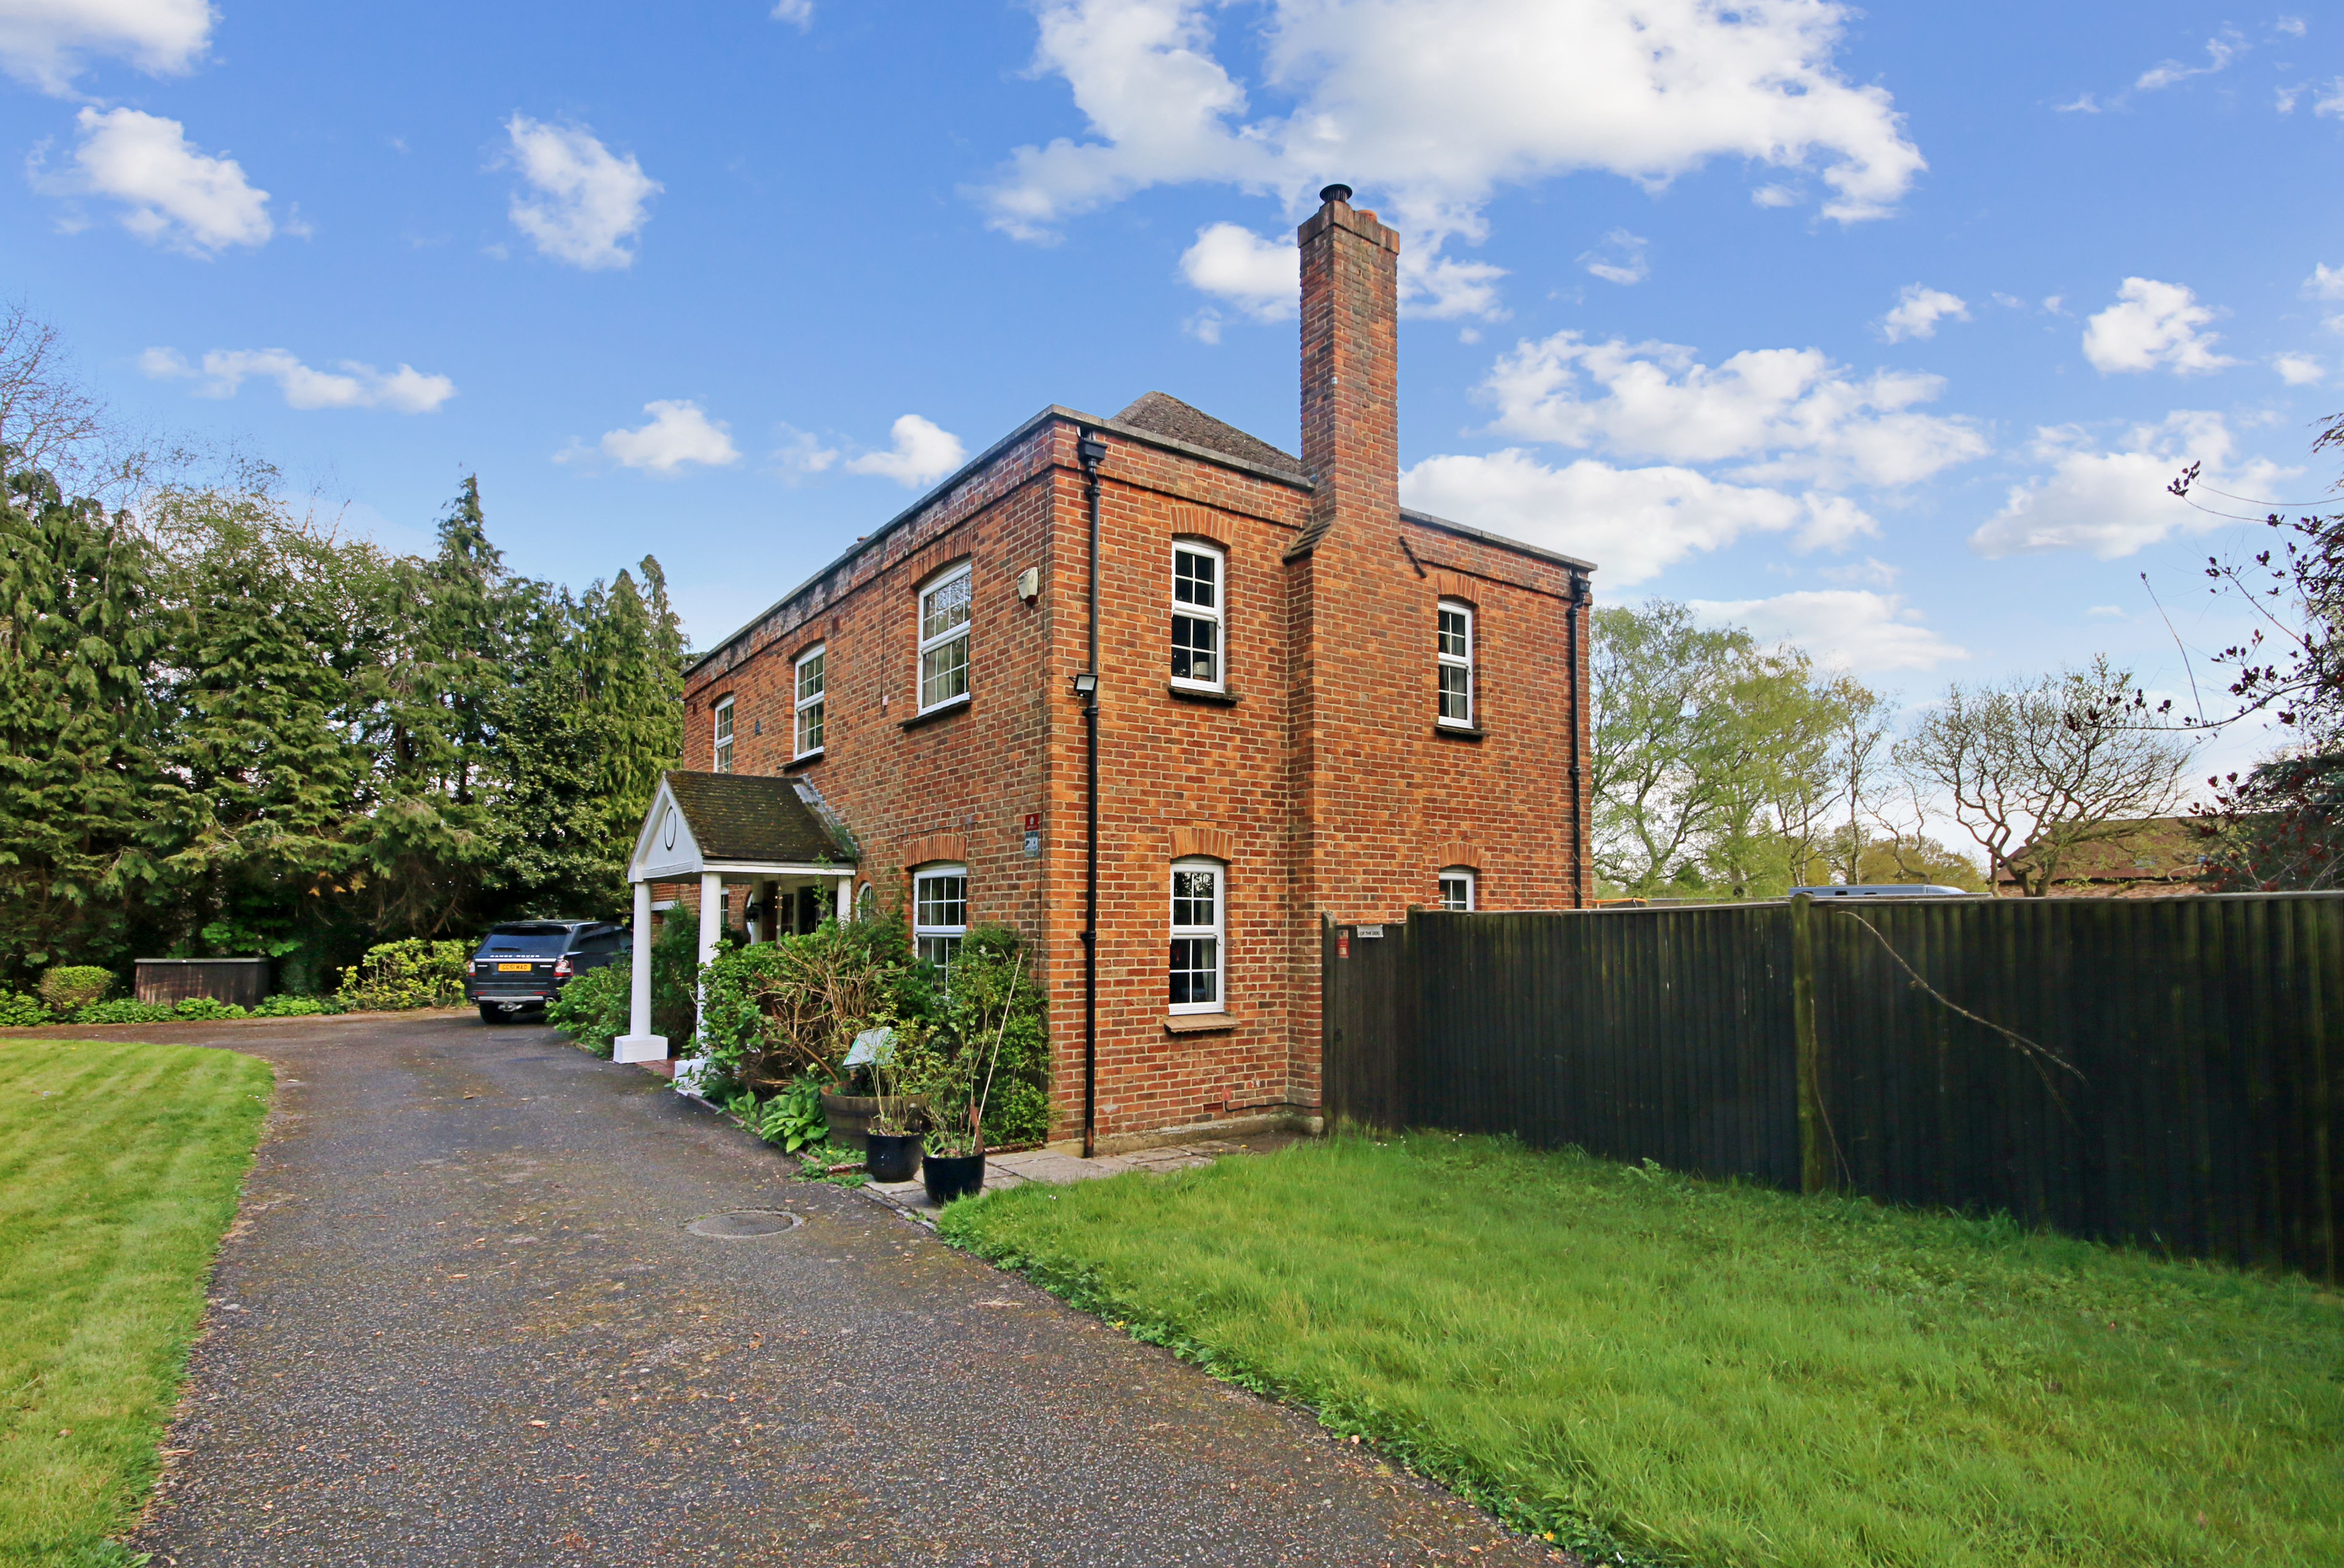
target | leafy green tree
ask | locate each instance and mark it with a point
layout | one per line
(79, 765)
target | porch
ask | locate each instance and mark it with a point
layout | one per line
(772, 835)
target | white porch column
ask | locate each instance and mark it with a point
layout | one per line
(712, 920)
(845, 911)
(638, 1044)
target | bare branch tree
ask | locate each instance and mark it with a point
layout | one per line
(2034, 769)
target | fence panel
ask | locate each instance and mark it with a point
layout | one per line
(2166, 1077)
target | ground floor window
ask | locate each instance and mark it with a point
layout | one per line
(1198, 955)
(940, 914)
(1457, 887)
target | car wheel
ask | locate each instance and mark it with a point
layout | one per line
(492, 1014)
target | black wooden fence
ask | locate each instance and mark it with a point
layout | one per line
(2172, 1080)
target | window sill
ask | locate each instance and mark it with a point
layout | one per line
(1459, 731)
(808, 760)
(1200, 1023)
(1219, 698)
(941, 711)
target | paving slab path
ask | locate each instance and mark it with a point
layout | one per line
(461, 1320)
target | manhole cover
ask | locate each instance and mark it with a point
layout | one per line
(742, 1223)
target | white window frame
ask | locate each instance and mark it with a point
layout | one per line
(1472, 881)
(815, 705)
(1216, 932)
(1214, 614)
(1446, 661)
(922, 932)
(958, 633)
(721, 737)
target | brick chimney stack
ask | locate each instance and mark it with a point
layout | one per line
(1351, 365)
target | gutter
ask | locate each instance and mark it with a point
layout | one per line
(1091, 451)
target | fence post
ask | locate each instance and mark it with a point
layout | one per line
(1814, 1156)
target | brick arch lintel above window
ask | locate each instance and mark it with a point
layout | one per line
(1456, 586)
(936, 848)
(1210, 843)
(1459, 852)
(1194, 522)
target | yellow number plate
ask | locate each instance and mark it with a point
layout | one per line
(506, 968)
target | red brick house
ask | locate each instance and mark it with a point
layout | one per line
(1308, 701)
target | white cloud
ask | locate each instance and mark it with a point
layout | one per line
(799, 14)
(1790, 412)
(2290, 25)
(2153, 326)
(2113, 503)
(922, 454)
(1918, 311)
(587, 202)
(1774, 196)
(1262, 277)
(2333, 103)
(2085, 104)
(1441, 102)
(1844, 629)
(2298, 369)
(1634, 522)
(677, 435)
(406, 391)
(1625, 262)
(46, 43)
(2326, 282)
(174, 194)
(2106, 612)
(802, 452)
(1871, 571)
(2283, 96)
(2219, 53)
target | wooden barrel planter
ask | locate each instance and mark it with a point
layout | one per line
(850, 1118)
(166, 982)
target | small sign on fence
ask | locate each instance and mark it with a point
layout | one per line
(1371, 931)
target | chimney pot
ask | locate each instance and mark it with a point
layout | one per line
(1336, 193)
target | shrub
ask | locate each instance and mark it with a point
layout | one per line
(73, 986)
(593, 1009)
(200, 1008)
(794, 1005)
(123, 1010)
(396, 976)
(290, 1006)
(18, 1011)
(989, 980)
(675, 978)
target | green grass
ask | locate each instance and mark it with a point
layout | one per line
(1698, 1371)
(119, 1170)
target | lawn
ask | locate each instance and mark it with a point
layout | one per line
(119, 1168)
(1703, 1372)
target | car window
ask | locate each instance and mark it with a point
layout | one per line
(536, 939)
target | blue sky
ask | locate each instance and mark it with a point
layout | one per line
(1879, 331)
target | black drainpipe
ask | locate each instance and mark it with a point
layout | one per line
(1577, 782)
(1091, 451)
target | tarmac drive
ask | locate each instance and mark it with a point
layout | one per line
(460, 1320)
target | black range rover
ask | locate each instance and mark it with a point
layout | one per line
(519, 965)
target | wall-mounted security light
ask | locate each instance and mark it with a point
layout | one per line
(1086, 684)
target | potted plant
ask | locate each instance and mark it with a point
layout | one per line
(891, 1143)
(958, 1086)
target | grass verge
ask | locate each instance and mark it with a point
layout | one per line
(119, 1170)
(1689, 1371)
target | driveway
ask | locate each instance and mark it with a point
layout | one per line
(461, 1320)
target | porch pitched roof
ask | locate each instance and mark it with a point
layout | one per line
(736, 820)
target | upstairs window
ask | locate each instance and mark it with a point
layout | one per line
(1456, 888)
(1456, 651)
(940, 914)
(1198, 958)
(943, 639)
(1197, 616)
(810, 705)
(723, 736)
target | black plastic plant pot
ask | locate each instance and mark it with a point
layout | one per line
(891, 1155)
(951, 1176)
